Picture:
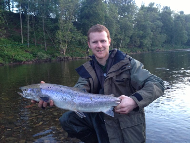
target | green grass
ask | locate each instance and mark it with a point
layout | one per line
(14, 52)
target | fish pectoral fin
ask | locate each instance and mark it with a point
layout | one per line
(80, 114)
(109, 112)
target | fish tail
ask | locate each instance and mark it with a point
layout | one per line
(117, 101)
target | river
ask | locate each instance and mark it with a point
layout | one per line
(167, 118)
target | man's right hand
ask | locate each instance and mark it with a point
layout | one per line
(43, 104)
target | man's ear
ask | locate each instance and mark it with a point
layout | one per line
(89, 45)
(109, 40)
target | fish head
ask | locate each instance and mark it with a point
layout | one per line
(30, 92)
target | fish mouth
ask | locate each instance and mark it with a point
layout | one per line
(20, 93)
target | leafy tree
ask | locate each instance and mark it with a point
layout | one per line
(180, 33)
(158, 37)
(2, 30)
(66, 11)
(187, 27)
(63, 24)
(111, 21)
(126, 11)
(92, 12)
(148, 28)
(168, 23)
(6, 5)
(142, 34)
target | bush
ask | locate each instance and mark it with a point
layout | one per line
(42, 56)
(12, 52)
(1, 61)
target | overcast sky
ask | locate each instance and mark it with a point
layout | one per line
(175, 5)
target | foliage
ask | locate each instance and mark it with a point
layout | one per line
(66, 29)
(2, 23)
(91, 12)
(42, 56)
(9, 54)
(38, 30)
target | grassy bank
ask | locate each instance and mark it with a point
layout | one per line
(16, 53)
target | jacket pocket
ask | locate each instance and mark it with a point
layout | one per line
(130, 120)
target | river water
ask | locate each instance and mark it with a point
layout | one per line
(167, 118)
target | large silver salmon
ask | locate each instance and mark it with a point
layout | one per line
(70, 98)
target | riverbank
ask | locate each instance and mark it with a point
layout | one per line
(58, 59)
(43, 58)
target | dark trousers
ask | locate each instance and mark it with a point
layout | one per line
(90, 129)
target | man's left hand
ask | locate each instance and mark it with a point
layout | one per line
(127, 105)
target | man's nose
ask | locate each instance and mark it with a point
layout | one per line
(99, 44)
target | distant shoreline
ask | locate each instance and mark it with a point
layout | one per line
(59, 59)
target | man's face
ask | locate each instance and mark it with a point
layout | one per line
(99, 44)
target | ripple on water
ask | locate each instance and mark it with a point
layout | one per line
(172, 110)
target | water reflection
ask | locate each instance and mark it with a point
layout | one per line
(172, 111)
(168, 118)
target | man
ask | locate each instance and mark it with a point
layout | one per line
(112, 72)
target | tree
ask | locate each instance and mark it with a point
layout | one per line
(21, 27)
(92, 12)
(6, 5)
(64, 35)
(168, 23)
(2, 30)
(142, 31)
(187, 27)
(111, 21)
(180, 33)
(148, 28)
(123, 21)
(28, 25)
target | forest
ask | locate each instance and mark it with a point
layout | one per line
(42, 30)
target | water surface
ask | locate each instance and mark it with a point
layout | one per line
(167, 118)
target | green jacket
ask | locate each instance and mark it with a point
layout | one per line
(125, 76)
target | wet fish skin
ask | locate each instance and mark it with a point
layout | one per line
(70, 98)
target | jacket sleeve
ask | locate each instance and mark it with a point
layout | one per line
(148, 86)
(83, 84)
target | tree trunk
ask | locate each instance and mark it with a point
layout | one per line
(28, 27)
(44, 34)
(21, 23)
(44, 29)
(33, 21)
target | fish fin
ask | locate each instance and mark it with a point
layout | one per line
(80, 114)
(112, 95)
(45, 99)
(109, 112)
(79, 89)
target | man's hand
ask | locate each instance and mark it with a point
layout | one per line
(43, 104)
(127, 105)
